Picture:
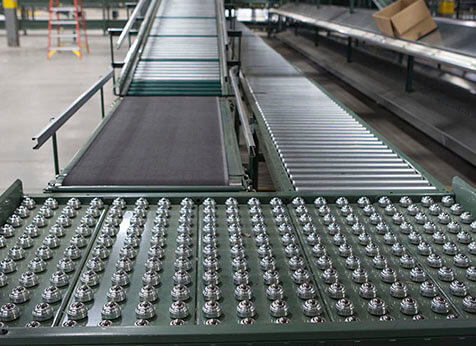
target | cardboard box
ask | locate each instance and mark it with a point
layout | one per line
(407, 19)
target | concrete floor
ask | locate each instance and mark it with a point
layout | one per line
(34, 89)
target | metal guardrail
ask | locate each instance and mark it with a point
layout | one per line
(222, 40)
(242, 111)
(130, 23)
(226, 40)
(134, 49)
(56, 123)
(244, 120)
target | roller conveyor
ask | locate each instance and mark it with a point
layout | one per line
(180, 48)
(176, 78)
(188, 26)
(320, 144)
(189, 8)
(181, 55)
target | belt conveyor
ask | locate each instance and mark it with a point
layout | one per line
(158, 142)
(170, 269)
(321, 145)
(181, 55)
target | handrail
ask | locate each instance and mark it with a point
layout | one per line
(242, 112)
(223, 23)
(129, 23)
(58, 122)
(131, 53)
(222, 37)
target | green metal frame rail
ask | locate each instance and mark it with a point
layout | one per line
(27, 20)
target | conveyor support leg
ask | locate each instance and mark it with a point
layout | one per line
(111, 46)
(55, 154)
(253, 162)
(237, 126)
(270, 24)
(349, 49)
(103, 114)
(409, 81)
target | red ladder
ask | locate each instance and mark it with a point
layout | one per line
(63, 18)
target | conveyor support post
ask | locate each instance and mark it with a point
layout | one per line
(349, 49)
(409, 81)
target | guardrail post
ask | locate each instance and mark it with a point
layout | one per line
(111, 46)
(239, 50)
(232, 48)
(409, 81)
(237, 126)
(351, 6)
(104, 22)
(55, 154)
(127, 16)
(102, 103)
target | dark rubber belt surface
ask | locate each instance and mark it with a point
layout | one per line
(156, 141)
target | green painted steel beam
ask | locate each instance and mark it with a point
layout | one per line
(86, 3)
(36, 24)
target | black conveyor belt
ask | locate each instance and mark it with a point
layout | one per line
(156, 141)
